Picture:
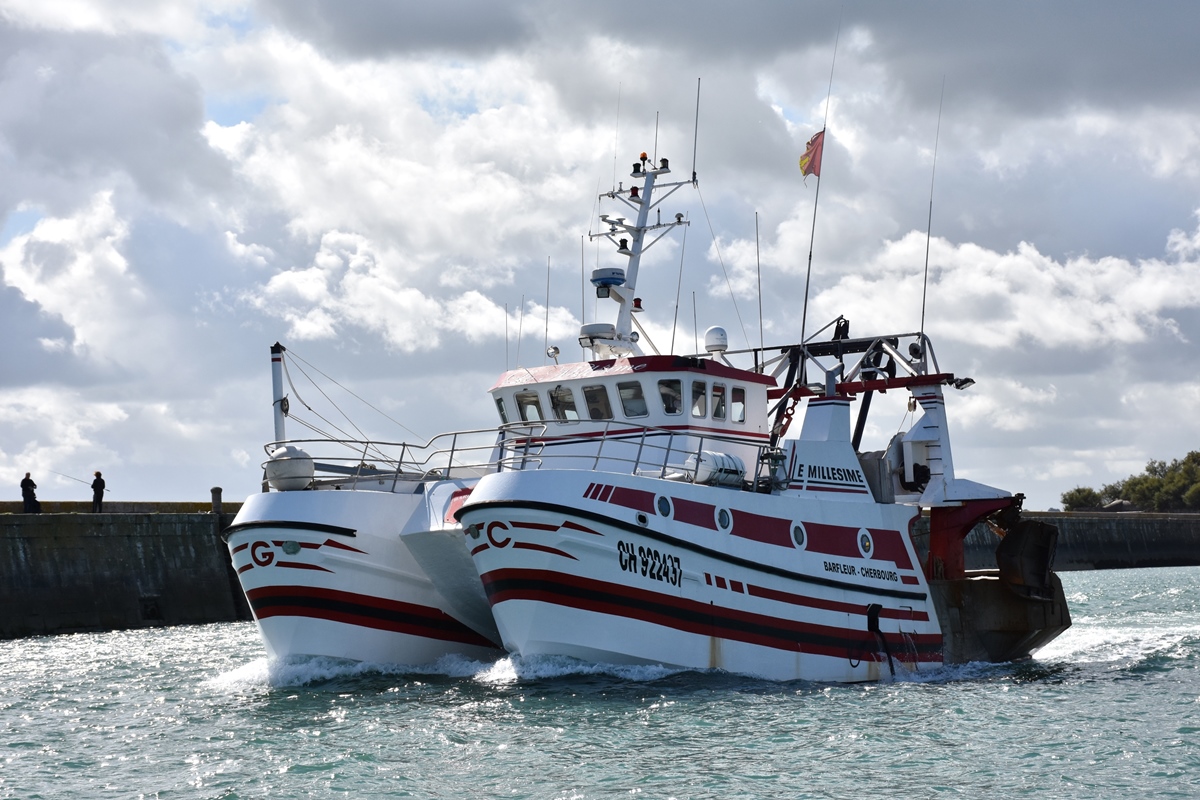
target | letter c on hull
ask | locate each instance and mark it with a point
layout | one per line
(493, 526)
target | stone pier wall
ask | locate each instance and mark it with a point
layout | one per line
(65, 571)
(1100, 540)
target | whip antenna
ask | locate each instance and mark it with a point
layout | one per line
(929, 223)
(616, 136)
(520, 329)
(655, 159)
(758, 268)
(696, 130)
(813, 167)
(678, 286)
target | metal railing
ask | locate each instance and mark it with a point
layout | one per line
(621, 447)
(604, 446)
(459, 454)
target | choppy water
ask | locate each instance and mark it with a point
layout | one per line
(1112, 709)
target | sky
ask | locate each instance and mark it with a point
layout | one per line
(393, 190)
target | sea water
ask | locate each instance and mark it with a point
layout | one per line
(1110, 709)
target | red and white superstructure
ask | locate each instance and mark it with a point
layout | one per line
(660, 514)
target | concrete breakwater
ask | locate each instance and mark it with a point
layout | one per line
(135, 565)
(153, 564)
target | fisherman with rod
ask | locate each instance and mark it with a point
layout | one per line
(98, 490)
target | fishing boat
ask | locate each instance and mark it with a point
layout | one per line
(662, 514)
(319, 552)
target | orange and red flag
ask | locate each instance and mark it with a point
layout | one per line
(810, 162)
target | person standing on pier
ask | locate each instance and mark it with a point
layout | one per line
(29, 495)
(97, 494)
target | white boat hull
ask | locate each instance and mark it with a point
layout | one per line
(327, 574)
(586, 565)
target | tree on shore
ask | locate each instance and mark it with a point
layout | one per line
(1162, 487)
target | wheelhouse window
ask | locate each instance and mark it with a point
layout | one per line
(633, 402)
(529, 406)
(737, 404)
(562, 404)
(699, 399)
(671, 392)
(596, 398)
(718, 401)
(501, 409)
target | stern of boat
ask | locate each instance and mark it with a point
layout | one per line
(1002, 614)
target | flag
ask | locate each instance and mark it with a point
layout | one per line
(810, 162)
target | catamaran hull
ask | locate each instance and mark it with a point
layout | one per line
(326, 574)
(602, 568)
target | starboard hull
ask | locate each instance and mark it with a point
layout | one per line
(590, 566)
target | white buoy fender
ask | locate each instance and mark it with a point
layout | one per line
(289, 469)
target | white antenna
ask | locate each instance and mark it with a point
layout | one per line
(655, 159)
(520, 329)
(678, 285)
(813, 234)
(616, 135)
(696, 131)
(929, 223)
(758, 267)
(546, 334)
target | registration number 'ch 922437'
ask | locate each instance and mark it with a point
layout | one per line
(650, 563)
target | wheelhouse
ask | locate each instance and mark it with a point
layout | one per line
(675, 403)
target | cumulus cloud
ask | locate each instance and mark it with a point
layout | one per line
(997, 300)
(73, 269)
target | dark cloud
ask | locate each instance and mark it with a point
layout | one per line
(382, 28)
(1027, 56)
(26, 359)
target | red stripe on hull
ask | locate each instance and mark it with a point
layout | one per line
(636, 499)
(363, 610)
(534, 526)
(767, 530)
(831, 605)
(703, 619)
(690, 512)
(300, 565)
(543, 548)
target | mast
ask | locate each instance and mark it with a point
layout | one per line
(619, 339)
(279, 402)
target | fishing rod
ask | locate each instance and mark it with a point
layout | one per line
(71, 477)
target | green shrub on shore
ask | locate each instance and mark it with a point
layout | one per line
(1162, 487)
